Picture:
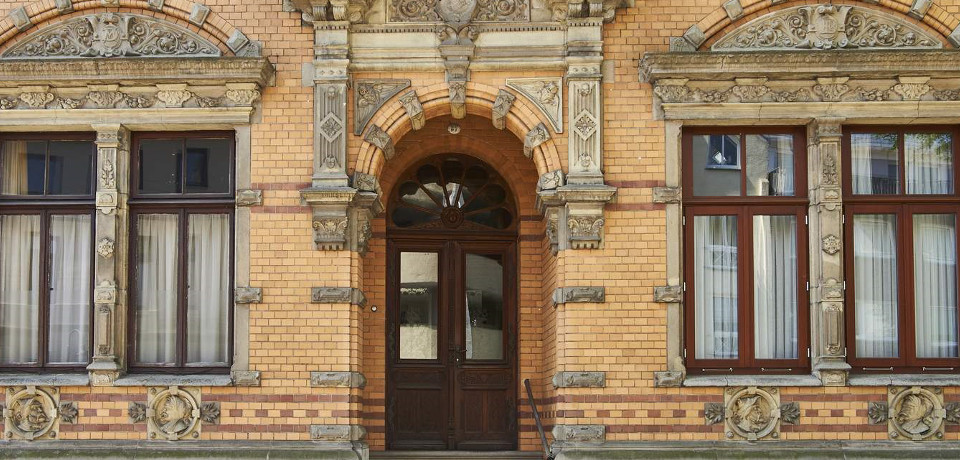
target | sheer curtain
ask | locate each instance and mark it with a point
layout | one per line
(935, 278)
(775, 286)
(875, 164)
(157, 288)
(715, 278)
(875, 284)
(208, 289)
(928, 161)
(13, 167)
(70, 249)
(19, 289)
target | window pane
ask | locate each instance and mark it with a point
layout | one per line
(875, 163)
(770, 165)
(19, 289)
(70, 249)
(775, 287)
(418, 305)
(875, 281)
(70, 168)
(160, 165)
(484, 307)
(716, 165)
(156, 288)
(715, 262)
(928, 160)
(208, 289)
(22, 166)
(935, 278)
(208, 166)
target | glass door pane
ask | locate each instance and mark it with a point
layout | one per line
(715, 263)
(875, 285)
(70, 264)
(484, 307)
(157, 288)
(775, 287)
(19, 289)
(935, 284)
(419, 294)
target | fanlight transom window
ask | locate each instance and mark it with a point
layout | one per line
(452, 192)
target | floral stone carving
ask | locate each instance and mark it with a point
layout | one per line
(916, 413)
(112, 35)
(175, 413)
(546, 94)
(826, 27)
(481, 10)
(31, 413)
(752, 413)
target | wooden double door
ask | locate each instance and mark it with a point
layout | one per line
(451, 344)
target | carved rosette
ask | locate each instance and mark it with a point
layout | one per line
(32, 413)
(916, 413)
(752, 413)
(174, 413)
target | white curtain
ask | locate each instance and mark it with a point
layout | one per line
(715, 262)
(157, 288)
(935, 278)
(70, 250)
(208, 289)
(770, 165)
(13, 167)
(874, 162)
(929, 164)
(875, 284)
(775, 287)
(19, 289)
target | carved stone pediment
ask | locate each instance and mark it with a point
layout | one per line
(112, 35)
(458, 11)
(822, 27)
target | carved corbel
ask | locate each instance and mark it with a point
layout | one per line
(458, 99)
(411, 104)
(501, 107)
(341, 216)
(534, 138)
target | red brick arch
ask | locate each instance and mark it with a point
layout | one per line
(717, 24)
(392, 118)
(44, 13)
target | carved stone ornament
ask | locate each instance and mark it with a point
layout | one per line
(411, 104)
(459, 11)
(458, 99)
(668, 294)
(337, 433)
(585, 231)
(378, 137)
(369, 96)
(501, 107)
(752, 413)
(586, 294)
(819, 27)
(790, 413)
(916, 413)
(536, 136)
(831, 244)
(249, 197)
(579, 380)
(337, 380)
(330, 233)
(546, 94)
(667, 195)
(173, 96)
(551, 180)
(137, 412)
(69, 412)
(580, 433)
(112, 35)
(877, 412)
(105, 248)
(31, 413)
(713, 413)
(247, 295)
(173, 413)
(352, 296)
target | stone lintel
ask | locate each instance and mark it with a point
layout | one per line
(580, 380)
(582, 294)
(337, 433)
(580, 433)
(337, 380)
(352, 296)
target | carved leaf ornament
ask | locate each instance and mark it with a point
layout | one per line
(823, 27)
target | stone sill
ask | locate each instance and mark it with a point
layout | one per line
(163, 380)
(752, 380)
(46, 380)
(879, 380)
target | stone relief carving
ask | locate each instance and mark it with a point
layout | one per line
(337, 433)
(667, 195)
(247, 295)
(31, 413)
(916, 413)
(337, 295)
(752, 413)
(369, 96)
(100, 99)
(877, 412)
(790, 413)
(668, 294)
(411, 104)
(550, 180)
(378, 137)
(585, 231)
(105, 248)
(458, 99)
(546, 94)
(584, 147)
(330, 233)
(587, 294)
(831, 244)
(820, 27)
(69, 412)
(501, 107)
(112, 35)
(579, 380)
(37, 100)
(952, 412)
(713, 413)
(338, 380)
(137, 412)
(580, 433)
(536, 136)
(174, 413)
(249, 197)
(480, 10)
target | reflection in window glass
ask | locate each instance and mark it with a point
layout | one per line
(418, 305)
(875, 163)
(715, 278)
(70, 265)
(19, 289)
(875, 285)
(69, 169)
(207, 168)
(770, 165)
(484, 307)
(716, 165)
(42, 167)
(935, 278)
(775, 287)
(160, 166)
(928, 163)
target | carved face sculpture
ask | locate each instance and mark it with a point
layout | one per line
(175, 415)
(916, 414)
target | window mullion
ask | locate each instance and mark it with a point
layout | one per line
(745, 303)
(907, 320)
(182, 265)
(46, 282)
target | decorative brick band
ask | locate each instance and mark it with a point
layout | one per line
(352, 296)
(580, 433)
(584, 294)
(337, 433)
(337, 380)
(580, 380)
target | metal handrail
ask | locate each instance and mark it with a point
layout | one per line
(536, 418)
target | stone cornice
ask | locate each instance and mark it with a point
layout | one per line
(799, 64)
(139, 71)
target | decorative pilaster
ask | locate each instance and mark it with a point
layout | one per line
(826, 257)
(113, 160)
(330, 103)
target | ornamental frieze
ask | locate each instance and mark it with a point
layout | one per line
(79, 98)
(484, 10)
(823, 27)
(112, 35)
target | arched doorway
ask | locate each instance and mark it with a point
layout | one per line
(452, 308)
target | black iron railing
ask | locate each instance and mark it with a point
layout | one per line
(536, 418)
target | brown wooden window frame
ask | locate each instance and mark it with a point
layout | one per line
(183, 205)
(47, 206)
(745, 208)
(903, 206)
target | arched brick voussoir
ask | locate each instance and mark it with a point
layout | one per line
(717, 23)
(43, 13)
(392, 119)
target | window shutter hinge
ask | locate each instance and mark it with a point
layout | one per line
(684, 286)
(808, 352)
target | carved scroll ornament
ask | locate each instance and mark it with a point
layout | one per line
(478, 10)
